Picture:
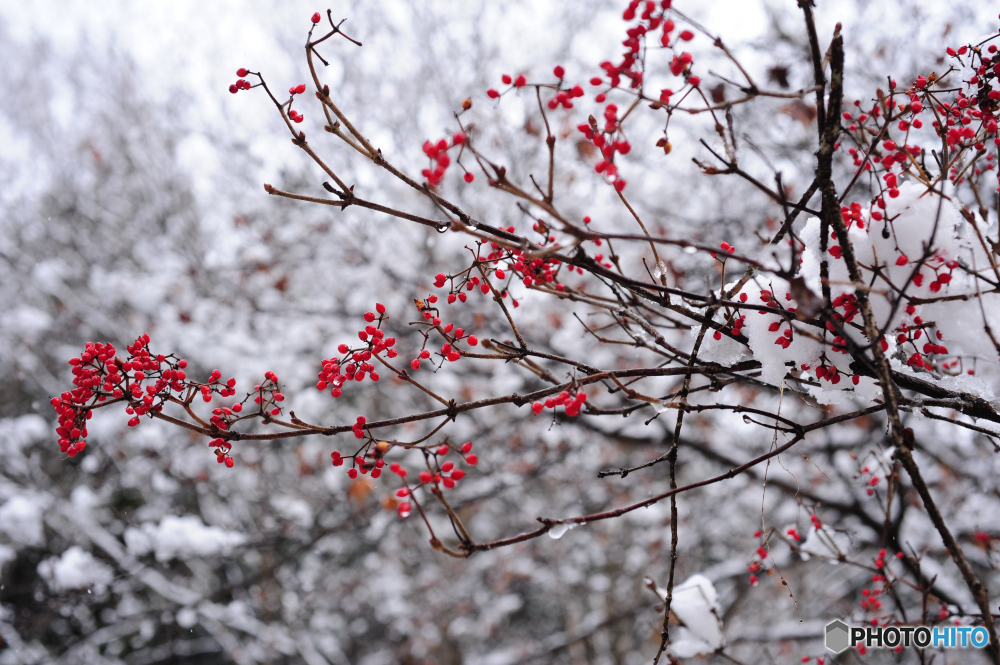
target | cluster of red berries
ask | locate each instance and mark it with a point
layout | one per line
(538, 270)
(852, 214)
(564, 98)
(452, 334)
(737, 323)
(604, 140)
(215, 385)
(829, 373)
(470, 285)
(869, 598)
(725, 247)
(785, 339)
(941, 278)
(872, 481)
(681, 64)
(89, 370)
(518, 82)
(223, 416)
(438, 154)
(222, 448)
(241, 83)
(359, 427)
(757, 562)
(911, 335)
(294, 115)
(963, 123)
(267, 395)
(353, 364)
(845, 308)
(446, 475)
(572, 403)
(650, 19)
(372, 462)
(651, 16)
(99, 375)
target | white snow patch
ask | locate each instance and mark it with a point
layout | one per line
(75, 569)
(293, 509)
(21, 519)
(827, 543)
(181, 538)
(696, 604)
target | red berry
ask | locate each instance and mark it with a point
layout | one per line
(241, 72)
(558, 71)
(316, 18)
(472, 459)
(468, 177)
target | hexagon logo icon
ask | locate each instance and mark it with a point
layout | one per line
(837, 633)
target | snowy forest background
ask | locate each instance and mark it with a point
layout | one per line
(131, 202)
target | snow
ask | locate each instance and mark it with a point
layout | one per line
(293, 509)
(827, 543)
(181, 538)
(21, 519)
(956, 324)
(75, 569)
(7, 554)
(696, 605)
(187, 617)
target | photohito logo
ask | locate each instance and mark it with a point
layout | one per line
(840, 635)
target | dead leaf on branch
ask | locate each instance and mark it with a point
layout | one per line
(799, 110)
